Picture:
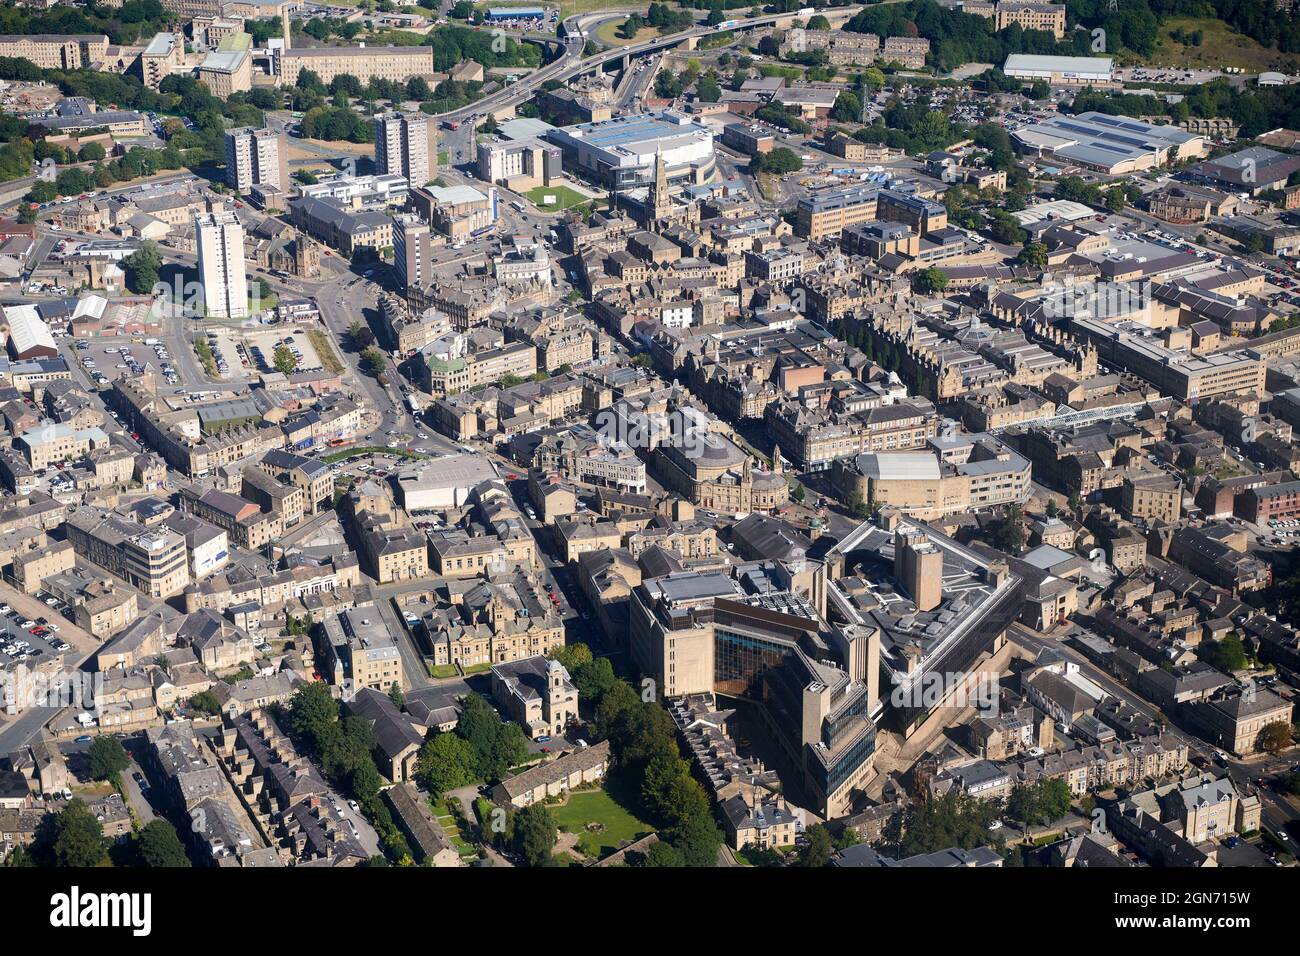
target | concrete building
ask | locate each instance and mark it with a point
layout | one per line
(395, 63)
(412, 252)
(520, 164)
(256, 157)
(56, 52)
(1111, 144)
(622, 152)
(220, 239)
(406, 145)
(226, 72)
(1060, 70)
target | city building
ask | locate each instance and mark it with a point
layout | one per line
(220, 239)
(256, 157)
(406, 145)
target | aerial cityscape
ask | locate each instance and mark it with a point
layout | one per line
(698, 435)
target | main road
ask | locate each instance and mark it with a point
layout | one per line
(571, 62)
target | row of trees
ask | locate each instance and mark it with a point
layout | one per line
(344, 750)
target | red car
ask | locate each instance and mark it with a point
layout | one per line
(511, 476)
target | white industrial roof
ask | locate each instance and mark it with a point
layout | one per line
(901, 466)
(27, 330)
(456, 195)
(1033, 62)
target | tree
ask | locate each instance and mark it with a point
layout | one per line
(707, 89)
(697, 840)
(1008, 532)
(1275, 738)
(445, 763)
(779, 161)
(204, 702)
(817, 851)
(141, 268)
(847, 108)
(78, 837)
(396, 696)
(106, 758)
(535, 834)
(374, 361)
(1228, 655)
(593, 680)
(1034, 254)
(284, 360)
(91, 152)
(572, 656)
(157, 845)
(930, 280)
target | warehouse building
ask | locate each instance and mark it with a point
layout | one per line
(1115, 145)
(621, 152)
(1060, 70)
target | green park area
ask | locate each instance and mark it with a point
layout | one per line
(555, 198)
(601, 823)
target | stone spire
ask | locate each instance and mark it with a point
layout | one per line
(659, 201)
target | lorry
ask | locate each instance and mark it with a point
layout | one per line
(806, 12)
(726, 25)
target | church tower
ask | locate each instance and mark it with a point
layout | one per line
(660, 204)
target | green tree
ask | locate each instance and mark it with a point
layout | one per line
(593, 680)
(77, 837)
(91, 152)
(1276, 737)
(572, 656)
(141, 268)
(697, 840)
(1034, 254)
(106, 758)
(284, 360)
(1008, 532)
(374, 361)
(1228, 655)
(445, 763)
(535, 834)
(847, 108)
(157, 845)
(204, 702)
(930, 280)
(817, 851)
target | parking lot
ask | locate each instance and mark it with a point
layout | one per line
(259, 348)
(104, 359)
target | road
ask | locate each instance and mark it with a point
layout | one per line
(571, 63)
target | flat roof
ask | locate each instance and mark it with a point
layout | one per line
(1094, 65)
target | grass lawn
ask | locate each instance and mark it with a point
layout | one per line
(477, 669)
(443, 157)
(564, 197)
(447, 820)
(1220, 46)
(588, 806)
(569, 7)
(325, 351)
(442, 670)
(610, 33)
